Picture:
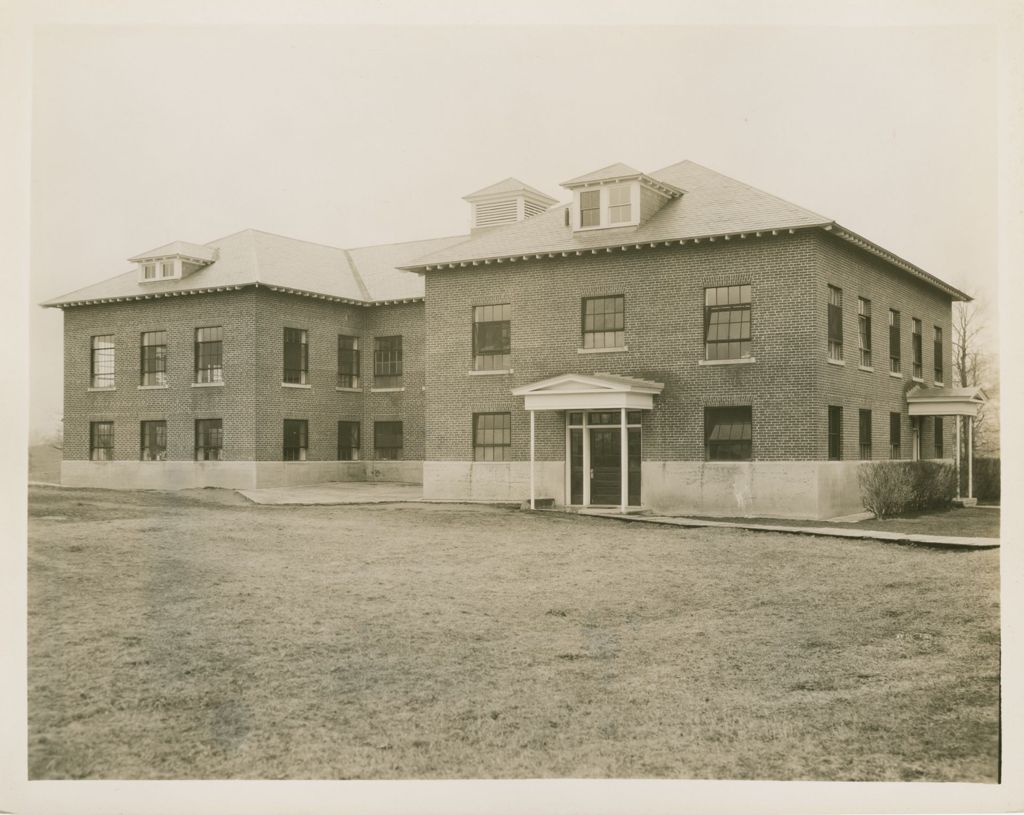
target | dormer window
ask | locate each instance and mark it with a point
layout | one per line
(616, 196)
(173, 261)
(149, 271)
(619, 204)
(590, 208)
(167, 268)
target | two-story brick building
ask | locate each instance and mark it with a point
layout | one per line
(676, 340)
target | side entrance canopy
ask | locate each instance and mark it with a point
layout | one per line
(959, 402)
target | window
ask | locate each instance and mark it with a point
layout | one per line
(727, 433)
(167, 268)
(153, 445)
(894, 341)
(296, 439)
(835, 433)
(938, 355)
(387, 362)
(209, 439)
(348, 362)
(604, 322)
(153, 363)
(492, 337)
(619, 204)
(940, 441)
(209, 354)
(915, 345)
(865, 433)
(727, 322)
(101, 441)
(835, 324)
(864, 331)
(894, 435)
(148, 271)
(590, 208)
(348, 441)
(296, 356)
(102, 361)
(387, 440)
(492, 436)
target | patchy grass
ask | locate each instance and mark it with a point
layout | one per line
(193, 635)
(44, 463)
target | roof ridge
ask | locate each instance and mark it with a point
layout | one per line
(404, 243)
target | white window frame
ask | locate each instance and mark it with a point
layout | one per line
(605, 209)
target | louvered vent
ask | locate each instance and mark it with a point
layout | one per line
(495, 213)
(507, 202)
(532, 208)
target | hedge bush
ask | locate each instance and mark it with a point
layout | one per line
(986, 479)
(890, 488)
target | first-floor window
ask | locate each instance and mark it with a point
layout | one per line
(348, 441)
(154, 441)
(101, 441)
(492, 436)
(939, 438)
(209, 439)
(727, 433)
(894, 436)
(835, 432)
(387, 440)
(865, 434)
(296, 439)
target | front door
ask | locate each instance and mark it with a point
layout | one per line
(605, 466)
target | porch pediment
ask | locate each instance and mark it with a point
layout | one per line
(924, 401)
(589, 392)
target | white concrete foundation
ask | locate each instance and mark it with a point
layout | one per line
(493, 480)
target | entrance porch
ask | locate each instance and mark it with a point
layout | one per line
(961, 403)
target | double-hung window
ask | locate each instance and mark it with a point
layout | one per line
(835, 324)
(153, 441)
(492, 436)
(864, 331)
(348, 361)
(387, 440)
(590, 208)
(296, 356)
(937, 354)
(865, 433)
(101, 441)
(209, 439)
(153, 362)
(894, 435)
(620, 204)
(149, 271)
(492, 337)
(387, 362)
(604, 322)
(101, 361)
(727, 434)
(209, 355)
(167, 268)
(727, 322)
(916, 341)
(348, 441)
(895, 363)
(940, 438)
(296, 439)
(835, 432)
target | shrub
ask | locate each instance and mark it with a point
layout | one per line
(986, 479)
(890, 488)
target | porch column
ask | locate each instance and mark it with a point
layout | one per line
(970, 456)
(957, 448)
(533, 434)
(624, 462)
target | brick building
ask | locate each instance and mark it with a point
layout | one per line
(676, 340)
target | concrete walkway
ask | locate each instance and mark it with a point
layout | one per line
(337, 492)
(825, 531)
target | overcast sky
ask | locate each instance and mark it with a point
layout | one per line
(354, 136)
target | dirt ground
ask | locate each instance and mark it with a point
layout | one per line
(195, 635)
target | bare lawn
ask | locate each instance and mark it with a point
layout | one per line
(195, 635)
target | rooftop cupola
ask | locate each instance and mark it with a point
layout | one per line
(616, 196)
(506, 202)
(172, 261)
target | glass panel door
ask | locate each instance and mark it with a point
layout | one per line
(605, 466)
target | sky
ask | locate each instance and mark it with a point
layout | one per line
(353, 136)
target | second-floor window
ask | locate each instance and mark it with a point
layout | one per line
(727, 322)
(209, 439)
(296, 356)
(153, 362)
(916, 341)
(604, 322)
(938, 355)
(387, 362)
(296, 439)
(101, 361)
(153, 441)
(835, 432)
(864, 439)
(895, 360)
(209, 354)
(835, 324)
(387, 440)
(864, 331)
(492, 436)
(101, 441)
(492, 337)
(348, 361)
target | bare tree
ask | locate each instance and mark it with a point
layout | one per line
(973, 366)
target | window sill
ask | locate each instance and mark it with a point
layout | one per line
(296, 385)
(740, 361)
(349, 390)
(866, 368)
(895, 375)
(207, 384)
(491, 373)
(938, 384)
(838, 362)
(386, 390)
(100, 390)
(153, 387)
(917, 379)
(619, 349)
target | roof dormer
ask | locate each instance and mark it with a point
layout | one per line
(616, 196)
(173, 261)
(506, 202)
